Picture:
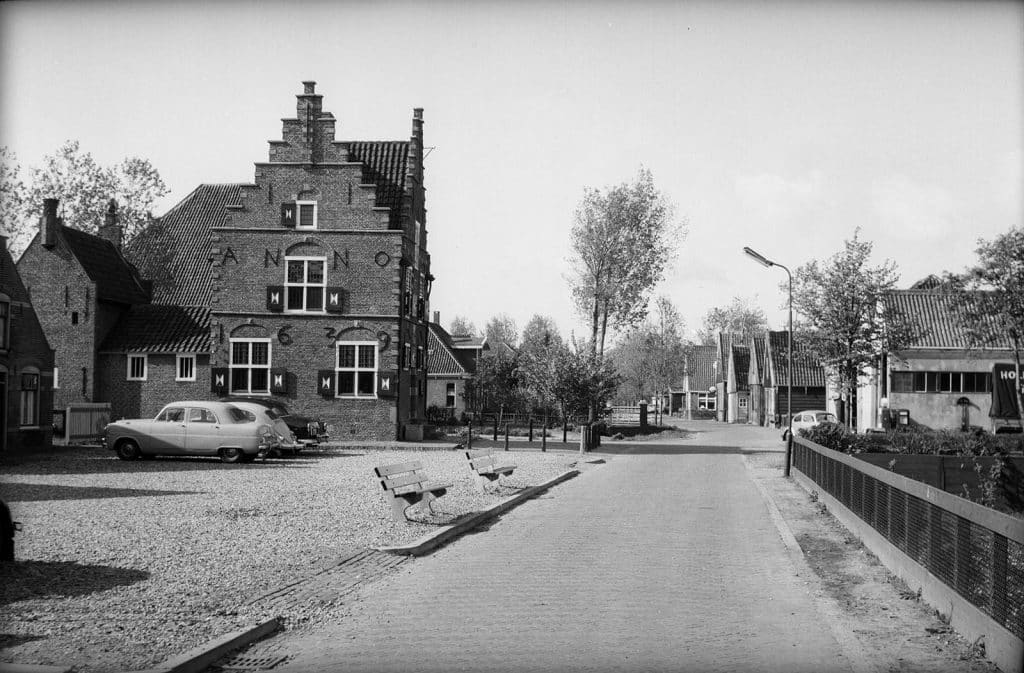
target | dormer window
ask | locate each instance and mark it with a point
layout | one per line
(307, 215)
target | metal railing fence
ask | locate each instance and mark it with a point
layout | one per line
(975, 551)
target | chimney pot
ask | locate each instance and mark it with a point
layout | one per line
(309, 86)
(48, 225)
(111, 230)
(437, 317)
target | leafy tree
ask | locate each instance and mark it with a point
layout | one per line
(462, 326)
(12, 203)
(582, 381)
(652, 357)
(495, 384)
(990, 298)
(740, 318)
(846, 322)
(538, 358)
(622, 239)
(85, 189)
(501, 329)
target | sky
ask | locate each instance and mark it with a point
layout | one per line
(783, 126)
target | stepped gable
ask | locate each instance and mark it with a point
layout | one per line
(385, 164)
(174, 251)
(935, 317)
(806, 372)
(115, 277)
(155, 328)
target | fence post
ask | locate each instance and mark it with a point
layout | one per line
(583, 438)
(495, 427)
(544, 435)
(565, 429)
(469, 434)
(506, 435)
(531, 428)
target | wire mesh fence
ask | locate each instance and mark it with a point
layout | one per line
(977, 552)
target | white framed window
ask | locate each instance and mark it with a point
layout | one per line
(185, 367)
(29, 398)
(407, 356)
(305, 283)
(449, 395)
(707, 401)
(357, 369)
(137, 366)
(250, 366)
(306, 212)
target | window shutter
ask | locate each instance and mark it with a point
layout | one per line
(325, 382)
(278, 380)
(288, 214)
(275, 298)
(387, 384)
(336, 300)
(219, 380)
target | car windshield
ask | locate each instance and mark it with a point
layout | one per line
(239, 416)
(273, 413)
(825, 418)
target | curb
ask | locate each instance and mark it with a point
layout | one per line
(429, 543)
(34, 668)
(198, 659)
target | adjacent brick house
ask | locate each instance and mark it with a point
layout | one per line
(310, 284)
(26, 365)
(448, 370)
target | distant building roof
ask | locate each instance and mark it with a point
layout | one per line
(469, 341)
(760, 356)
(10, 281)
(936, 319)
(155, 328)
(700, 366)
(806, 371)
(115, 277)
(443, 358)
(174, 251)
(739, 360)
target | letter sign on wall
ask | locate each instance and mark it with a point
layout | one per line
(325, 382)
(275, 298)
(279, 380)
(387, 384)
(219, 380)
(288, 211)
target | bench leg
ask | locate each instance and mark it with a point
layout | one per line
(398, 507)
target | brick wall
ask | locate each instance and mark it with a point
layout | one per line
(143, 399)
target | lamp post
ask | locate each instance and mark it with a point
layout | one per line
(764, 261)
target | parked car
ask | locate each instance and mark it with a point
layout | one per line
(284, 438)
(310, 433)
(191, 428)
(809, 419)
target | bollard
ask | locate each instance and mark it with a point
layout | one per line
(469, 434)
(506, 436)
(544, 435)
(495, 428)
(531, 428)
(583, 439)
(565, 431)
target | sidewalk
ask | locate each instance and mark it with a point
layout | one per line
(651, 562)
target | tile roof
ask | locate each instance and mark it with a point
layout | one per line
(739, 360)
(384, 164)
(760, 356)
(174, 251)
(155, 328)
(700, 366)
(936, 319)
(10, 281)
(469, 341)
(115, 277)
(806, 372)
(443, 358)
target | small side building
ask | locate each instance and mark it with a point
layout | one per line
(806, 381)
(449, 368)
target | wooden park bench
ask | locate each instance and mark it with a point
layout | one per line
(486, 467)
(406, 485)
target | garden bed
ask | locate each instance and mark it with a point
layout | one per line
(122, 565)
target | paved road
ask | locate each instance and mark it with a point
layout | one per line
(663, 559)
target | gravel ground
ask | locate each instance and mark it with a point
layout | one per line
(122, 565)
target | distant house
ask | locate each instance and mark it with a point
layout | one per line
(723, 351)
(807, 379)
(26, 365)
(757, 374)
(696, 390)
(938, 381)
(738, 384)
(449, 367)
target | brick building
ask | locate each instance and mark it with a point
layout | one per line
(451, 363)
(310, 284)
(26, 365)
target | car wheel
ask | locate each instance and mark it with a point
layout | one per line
(127, 449)
(232, 455)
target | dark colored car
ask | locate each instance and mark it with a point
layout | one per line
(309, 433)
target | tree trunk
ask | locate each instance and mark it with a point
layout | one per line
(604, 325)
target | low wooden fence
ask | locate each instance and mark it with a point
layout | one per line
(967, 559)
(80, 422)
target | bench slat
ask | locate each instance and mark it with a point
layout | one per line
(505, 469)
(391, 483)
(386, 470)
(480, 463)
(476, 453)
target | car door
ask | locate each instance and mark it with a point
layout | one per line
(167, 432)
(203, 431)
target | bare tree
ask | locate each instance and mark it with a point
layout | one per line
(740, 317)
(501, 329)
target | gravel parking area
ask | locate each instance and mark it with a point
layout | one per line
(122, 565)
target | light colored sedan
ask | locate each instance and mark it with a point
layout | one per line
(284, 438)
(809, 419)
(193, 428)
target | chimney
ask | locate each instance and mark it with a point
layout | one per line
(111, 230)
(437, 317)
(48, 225)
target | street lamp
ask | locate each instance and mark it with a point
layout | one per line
(764, 261)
